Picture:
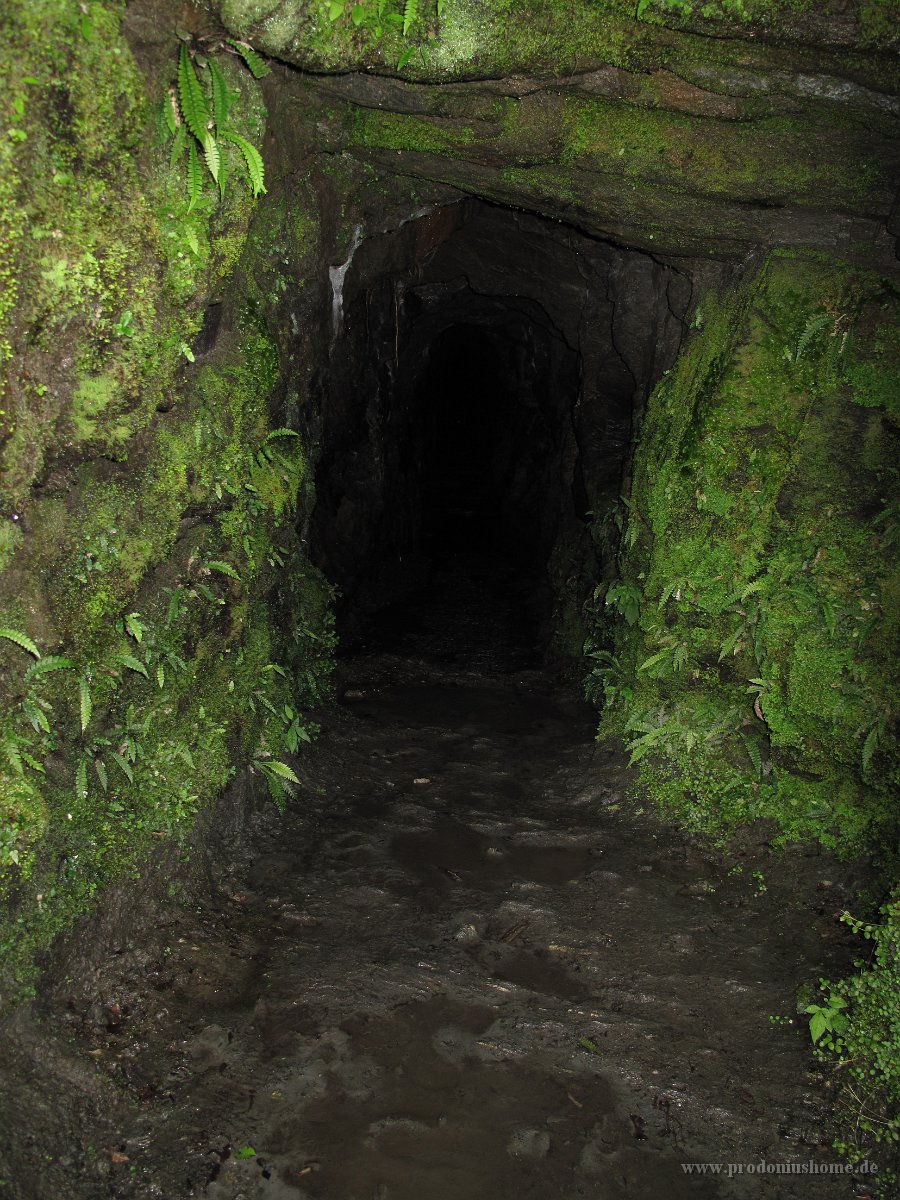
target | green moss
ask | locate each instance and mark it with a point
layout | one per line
(398, 131)
(90, 401)
(115, 266)
(776, 158)
(878, 23)
(765, 570)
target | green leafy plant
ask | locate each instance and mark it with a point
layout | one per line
(712, 8)
(828, 1021)
(856, 1028)
(678, 728)
(35, 707)
(195, 116)
(124, 327)
(673, 656)
(625, 598)
(607, 680)
(281, 780)
(381, 16)
(22, 640)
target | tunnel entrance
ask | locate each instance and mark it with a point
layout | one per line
(476, 421)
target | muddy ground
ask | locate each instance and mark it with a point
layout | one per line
(462, 967)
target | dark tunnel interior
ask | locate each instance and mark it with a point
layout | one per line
(467, 402)
(477, 419)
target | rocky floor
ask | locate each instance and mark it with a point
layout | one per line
(463, 967)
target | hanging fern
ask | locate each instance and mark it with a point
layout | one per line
(221, 97)
(212, 155)
(252, 158)
(20, 639)
(753, 753)
(256, 64)
(410, 12)
(53, 662)
(194, 109)
(195, 113)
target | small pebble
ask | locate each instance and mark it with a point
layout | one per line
(466, 933)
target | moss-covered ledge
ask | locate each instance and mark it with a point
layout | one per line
(487, 39)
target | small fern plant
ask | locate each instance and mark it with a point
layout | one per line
(195, 116)
(381, 16)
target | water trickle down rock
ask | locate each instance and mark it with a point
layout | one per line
(337, 275)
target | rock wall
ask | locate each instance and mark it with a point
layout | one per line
(751, 664)
(162, 627)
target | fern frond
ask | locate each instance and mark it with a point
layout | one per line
(870, 746)
(212, 155)
(86, 705)
(133, 664)
(253, 159)
(278, 792)
(223, 568)
(654, 659)
(410, 12)
(10, 747)
(731, 645)
(813, 326)
(81, 784)
(282, 433)
(257, 65)
(32, 762)
(21, 639)
(753, 753)
(272, 766)
(221, 97)
(134, 626)
(193, 175)
(752, 588)
(166, 125)
(53, 662)
(35, 715)
(124, 765)
(194, 108)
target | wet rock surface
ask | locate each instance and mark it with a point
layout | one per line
(463, 967)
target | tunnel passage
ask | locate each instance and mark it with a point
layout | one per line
(478, 413)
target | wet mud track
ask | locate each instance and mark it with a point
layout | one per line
(463, 968)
